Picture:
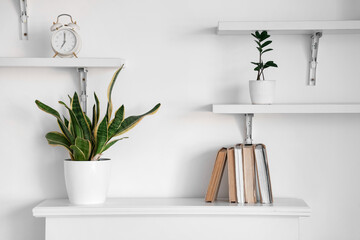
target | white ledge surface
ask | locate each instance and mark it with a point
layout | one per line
(62, 62)
(286, 108)
(171, 206)
(298, 27)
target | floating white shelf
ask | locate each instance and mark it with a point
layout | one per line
(299, 27)
(286, 108)
(171, 206)
(62, 62)
(81, 64)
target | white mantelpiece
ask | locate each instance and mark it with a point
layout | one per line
(171, 218)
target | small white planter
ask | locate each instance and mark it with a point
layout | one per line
(87, 182)
(262, 91)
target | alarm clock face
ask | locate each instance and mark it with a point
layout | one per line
(65, 42)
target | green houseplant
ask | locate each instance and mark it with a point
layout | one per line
(86, 174)
(262, 91)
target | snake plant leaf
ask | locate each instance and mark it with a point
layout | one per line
(78, 154)
(80, 116)
(88, 121)
(74, 123)
(97, 104)
(47, 109)
(93, 118)
(58, 139)
(132, 121)
(108, 145)
(84, 145)
(66, 122)
(66, 131)
(116, 122)
(109, 92)
(101, 135)
(55, 113)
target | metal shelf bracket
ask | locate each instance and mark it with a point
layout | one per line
(248, 125)
(315, 37)
(24, 20)
(83, 82)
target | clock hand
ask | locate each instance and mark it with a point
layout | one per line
(64, 40)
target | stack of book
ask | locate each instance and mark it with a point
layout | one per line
(248, 174)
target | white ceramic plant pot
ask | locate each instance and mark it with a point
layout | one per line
(262, 92)
(87, 182)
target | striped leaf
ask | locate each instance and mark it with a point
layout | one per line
(132, 121)
(116, 122)
(74, 123)
(78, 154)
(101, 136)
(109, 92)
(66, 122)
(55, 113)
(58, 139)
(47, 109)
(80, 116)
(84, 145)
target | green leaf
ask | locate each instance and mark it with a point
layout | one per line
(74, 123)
(260, 49)
(47, 109)
(264, 35)
(65, 130)
(132, 121)
(93, 118)
(116, 122)
(80, 116)
(257, 64)
(66, 122)
(84, 145)
(58, 139)
(109, 92)
(267, 50)
(55, 113)
(101, 135)
(78, 154)
(265, 44)
(107, 146)
(97, 104)
(270, 64)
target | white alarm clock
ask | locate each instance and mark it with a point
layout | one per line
(65, 41)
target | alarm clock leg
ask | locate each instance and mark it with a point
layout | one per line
(75, 55)
(55, 54)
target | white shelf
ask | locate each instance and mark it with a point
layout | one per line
(62, 62)
(299, 27)
(286, 108)
(171, 206)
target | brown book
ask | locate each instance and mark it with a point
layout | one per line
(216, 176)
(231, 175)
(249, 174)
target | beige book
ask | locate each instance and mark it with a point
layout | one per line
(231, 175)
(216, 176)
(249, 173)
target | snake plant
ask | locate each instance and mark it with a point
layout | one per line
(87, 139)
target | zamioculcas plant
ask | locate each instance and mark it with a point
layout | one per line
(87, 139)
(261, 66)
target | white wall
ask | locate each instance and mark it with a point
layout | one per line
(175, 57)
